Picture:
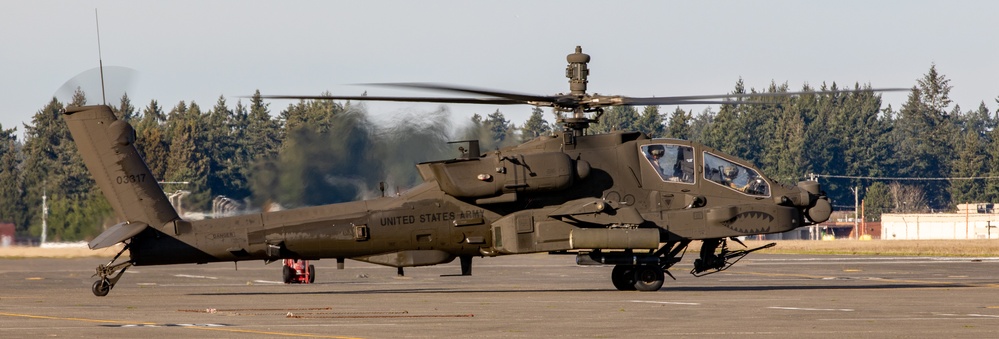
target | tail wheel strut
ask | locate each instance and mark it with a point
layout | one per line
(108, 274)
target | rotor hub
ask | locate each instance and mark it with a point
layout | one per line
(577, 72)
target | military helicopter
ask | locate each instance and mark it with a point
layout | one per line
(619, 199)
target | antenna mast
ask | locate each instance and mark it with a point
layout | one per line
(100, 58)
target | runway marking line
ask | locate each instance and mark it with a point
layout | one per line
(100, 321)
(194, 276)
(811, 309)
(663, 302)
(232, 330)
(909, 281)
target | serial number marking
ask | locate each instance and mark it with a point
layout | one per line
(130, 179)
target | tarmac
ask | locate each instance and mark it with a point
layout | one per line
(525, 296)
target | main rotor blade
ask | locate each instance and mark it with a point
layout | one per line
(486, 101)
(524, 98)
(674, 99)
(643, 102)
(626, 101)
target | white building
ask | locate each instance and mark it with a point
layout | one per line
(972, 221)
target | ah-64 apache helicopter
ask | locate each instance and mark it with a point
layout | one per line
(619, 199)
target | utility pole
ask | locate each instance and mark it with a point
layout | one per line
(856, 209)
(45, 213)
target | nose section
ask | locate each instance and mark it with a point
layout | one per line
(813, 201)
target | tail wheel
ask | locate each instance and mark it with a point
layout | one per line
(289, 274)
(312, 274)
(623, 277)
(649, 278)
(101, 287)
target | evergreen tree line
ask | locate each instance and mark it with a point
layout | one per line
(320, 151)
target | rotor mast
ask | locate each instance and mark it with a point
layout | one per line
(577, 72)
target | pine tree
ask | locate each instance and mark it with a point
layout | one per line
(125, 110)
(153, 141)
(924, 131)
(877, 200)
(500, 129)
(651, 122)
(785, 155)
(992, 166)
(264, 137)
(825, 136)
(535, 126)
(726, 130)
(699, 125)
(11, 190)
(224, 156)
(616, 118)
(187, 161)
(52, 164)
(680, 125)
(263, 133)
(971, 162)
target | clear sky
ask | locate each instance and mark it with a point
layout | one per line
(199, 50)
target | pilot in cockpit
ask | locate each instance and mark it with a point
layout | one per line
(655, 154)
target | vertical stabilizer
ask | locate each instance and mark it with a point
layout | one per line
(106, 145)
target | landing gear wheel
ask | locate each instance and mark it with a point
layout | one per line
(623, 277)
(288, 274)
(101, 287)
(649, 278)
(312, 274)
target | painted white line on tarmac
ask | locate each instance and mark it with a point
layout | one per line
(269, 282)
(943, 317)
(663, 302)
(970, 315)
(873, 260)
(194, 276)
(811, 309)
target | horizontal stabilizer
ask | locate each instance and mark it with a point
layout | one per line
(116, 234)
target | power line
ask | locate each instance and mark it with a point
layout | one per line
(900, 178)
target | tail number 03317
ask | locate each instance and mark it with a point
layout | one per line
(130, 179)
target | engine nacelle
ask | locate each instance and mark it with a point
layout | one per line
(495, 175)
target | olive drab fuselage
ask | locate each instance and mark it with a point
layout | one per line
(528, 198)
(618, 198)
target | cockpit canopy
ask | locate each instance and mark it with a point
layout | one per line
(675, 163)
(735, 176)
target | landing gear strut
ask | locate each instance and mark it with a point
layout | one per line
(648, 271)
(107, 277)
(713, 263)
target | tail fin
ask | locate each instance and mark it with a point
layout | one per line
(106, 145)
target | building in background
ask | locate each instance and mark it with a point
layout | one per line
(971, 221)
(6, 234)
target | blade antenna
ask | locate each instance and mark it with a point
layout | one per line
(100, 58)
